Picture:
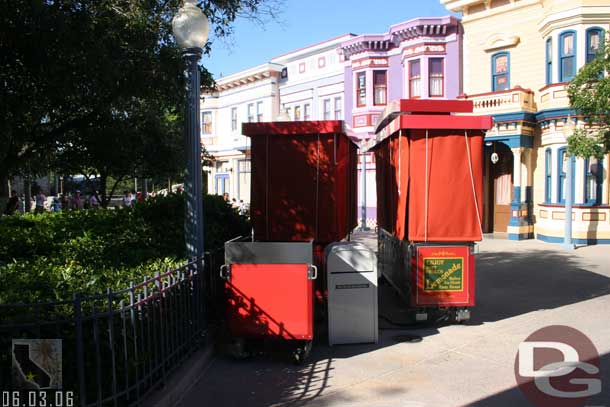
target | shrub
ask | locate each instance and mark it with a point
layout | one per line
(52, 255)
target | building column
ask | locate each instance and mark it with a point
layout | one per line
(520, 226)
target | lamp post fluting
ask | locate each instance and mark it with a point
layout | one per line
(190, 27)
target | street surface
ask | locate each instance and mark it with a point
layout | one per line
(521, 287)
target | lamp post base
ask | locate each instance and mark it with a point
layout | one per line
(568, 246)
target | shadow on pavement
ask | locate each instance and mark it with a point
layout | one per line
(511, 284)
(514, 397)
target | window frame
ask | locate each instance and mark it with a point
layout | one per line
(259, 111)
(384, 86)
(442, 77)
(562, 77)
(203, 126)
(549, 60)
(598, 182)
(250, 112)
(234, 119)
(494, 75)
(307, 111)
(412, 78)
(602, 37)
(548, 175)
(326, 102)
(360, 91)
(335, 110)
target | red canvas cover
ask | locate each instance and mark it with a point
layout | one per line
(451, 207)
(303, 182)
(442, 203)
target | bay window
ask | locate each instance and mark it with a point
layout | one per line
(435, 76)
(414, 79)
(380, 86)
(567, 56)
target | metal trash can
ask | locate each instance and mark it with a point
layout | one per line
(352, 294)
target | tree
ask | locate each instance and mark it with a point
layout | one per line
(589, 94)
(95, 86)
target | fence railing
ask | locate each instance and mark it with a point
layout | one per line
(117, 347)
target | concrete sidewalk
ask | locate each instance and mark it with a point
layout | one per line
(521, 287)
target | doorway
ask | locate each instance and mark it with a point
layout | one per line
(499, 187)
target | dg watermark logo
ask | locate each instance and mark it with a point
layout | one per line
(558, 366)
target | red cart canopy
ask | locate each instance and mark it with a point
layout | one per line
(429, 171)
(303, 181)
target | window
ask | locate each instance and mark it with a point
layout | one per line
(233, 119)
(549, 61)
(243, 185)
(206, 122)
(595, 39)
(500, 69)
(436, 79)
(289, 113)
(250, 112)
(380, 86)
(562, 163)
(326, 109)
(306, 111)
(259, 111)
(297, 113)
(360, 89)
(338, 109)
(593, 181)
(414, 79)
(567, 56)
(547, 175)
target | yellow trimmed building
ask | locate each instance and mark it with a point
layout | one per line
(518, 57)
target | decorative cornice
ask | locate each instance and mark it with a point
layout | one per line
(416, 28)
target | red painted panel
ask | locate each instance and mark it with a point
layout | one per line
(449, 122)
(270, 300)
(436, 106)
(443, 276)
(295, 128)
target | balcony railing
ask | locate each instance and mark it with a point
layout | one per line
(554, 96)
(505, 101)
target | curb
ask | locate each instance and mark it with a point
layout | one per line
(182, 380)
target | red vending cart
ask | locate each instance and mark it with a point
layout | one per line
(303, 197)
(429, 202)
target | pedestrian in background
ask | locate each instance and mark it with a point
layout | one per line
(126, 199)
(13, 204)
(94, 202)
(77, 201)
(40, 200)
(56, 205)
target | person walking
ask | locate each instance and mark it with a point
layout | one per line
(94, 202)
(56, 205)
(13, 204)
(77, 201)
(126, 199)
(39, 200)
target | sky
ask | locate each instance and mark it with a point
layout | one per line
(306, 22)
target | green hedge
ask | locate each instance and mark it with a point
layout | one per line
(50, 256)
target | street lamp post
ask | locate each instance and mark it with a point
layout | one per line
(568, 130)
(191, 27)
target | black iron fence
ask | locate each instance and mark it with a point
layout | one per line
(117, 347)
